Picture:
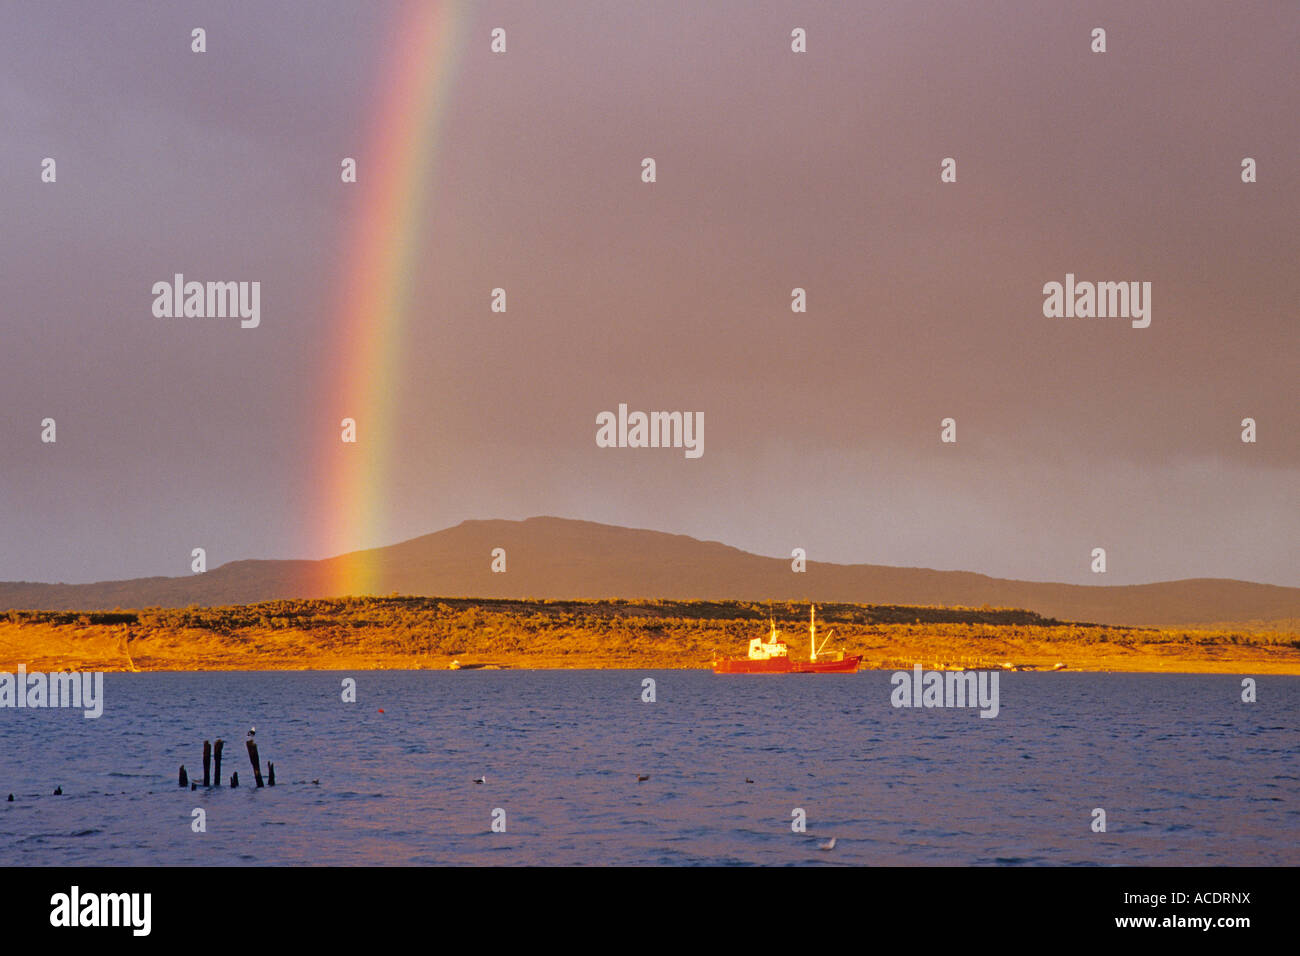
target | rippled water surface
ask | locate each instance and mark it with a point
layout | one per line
(1186, 772)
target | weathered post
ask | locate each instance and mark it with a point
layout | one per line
(234, 779)
(216, 756)
(207, 764)
(184, 779)
(253, 759)
(270, 774)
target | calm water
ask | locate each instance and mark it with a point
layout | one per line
(1186, 772)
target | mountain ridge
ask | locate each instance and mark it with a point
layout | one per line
(566, 558)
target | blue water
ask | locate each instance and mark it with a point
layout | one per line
(1186, 772)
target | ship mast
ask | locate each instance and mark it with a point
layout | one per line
(812, 632)
(813, 649)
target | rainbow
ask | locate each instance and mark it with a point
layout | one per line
(395, 174)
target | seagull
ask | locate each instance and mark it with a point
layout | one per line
(482, 779)
(642, 779)
(828, 845)
(252, 732)
(58, 791)
(747, 780)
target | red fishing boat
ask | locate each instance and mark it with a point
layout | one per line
(773, 656)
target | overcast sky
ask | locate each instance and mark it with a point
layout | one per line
(775, 170)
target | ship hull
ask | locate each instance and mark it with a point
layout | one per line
(847, 666)
(741, 665)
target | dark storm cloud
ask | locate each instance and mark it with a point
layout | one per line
(775, 171)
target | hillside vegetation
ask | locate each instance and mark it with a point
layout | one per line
(421, 633)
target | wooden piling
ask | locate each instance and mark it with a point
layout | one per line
(216, 756)
(270, 774)
(207, 761)
(183, 778)
(257, 763)
(234, 779)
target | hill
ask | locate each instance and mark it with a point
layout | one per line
(562, 559)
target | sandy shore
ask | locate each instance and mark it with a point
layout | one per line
(581, 645)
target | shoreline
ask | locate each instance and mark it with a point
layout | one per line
(417, 633)
(1215, 672)
(1160, 659)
